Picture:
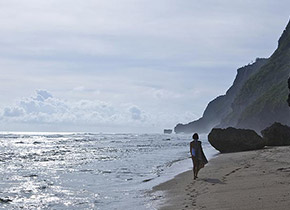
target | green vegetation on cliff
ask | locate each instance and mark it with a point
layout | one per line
(257, 98)
(272, 100)
(262, 99)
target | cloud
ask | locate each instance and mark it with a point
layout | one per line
(13, 112)
(167, 29)
(151, 62)
(42, 95)
(44, 108)
(44, 112)
(136, 113)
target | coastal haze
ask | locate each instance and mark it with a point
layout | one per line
(139, 66)
(88, 87)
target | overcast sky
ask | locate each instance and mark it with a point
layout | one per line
(125, 65)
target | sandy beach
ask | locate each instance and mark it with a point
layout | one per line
(246, 180)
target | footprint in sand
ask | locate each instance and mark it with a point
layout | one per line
(284, 169)
(234, 171)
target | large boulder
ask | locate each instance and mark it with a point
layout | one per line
(235, 140)
(277, 135)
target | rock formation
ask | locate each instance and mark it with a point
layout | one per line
(220, 107)
(256, 98)
(235, 140)
(277, 135)
(167, 131)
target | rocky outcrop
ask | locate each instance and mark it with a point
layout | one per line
(220, 107)
(257, 97)
(167, 131)
(277, 135)
(235, 140)
(262, 99)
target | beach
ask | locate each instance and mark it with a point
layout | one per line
(257, 179)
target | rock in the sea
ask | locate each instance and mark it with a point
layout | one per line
(277, 135)
(5, 200)
(235, 140)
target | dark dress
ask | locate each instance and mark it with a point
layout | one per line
(198, 154)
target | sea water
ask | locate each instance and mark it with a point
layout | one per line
(88, 170)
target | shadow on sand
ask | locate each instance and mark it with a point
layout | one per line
(213, 181)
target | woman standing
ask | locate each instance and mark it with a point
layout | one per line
(197, 155)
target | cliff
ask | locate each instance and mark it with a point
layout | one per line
(257, 97)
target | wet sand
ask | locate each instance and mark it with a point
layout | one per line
(246, 180)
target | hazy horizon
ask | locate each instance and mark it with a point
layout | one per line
(140, 66)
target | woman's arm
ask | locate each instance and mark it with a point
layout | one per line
(190, 148)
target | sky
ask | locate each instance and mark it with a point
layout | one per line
(125, 65)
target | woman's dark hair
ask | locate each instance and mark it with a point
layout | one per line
(195, 136)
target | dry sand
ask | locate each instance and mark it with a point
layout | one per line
(246, 180)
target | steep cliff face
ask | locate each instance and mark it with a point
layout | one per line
(257, 97)
(262, 99)
(220, 107)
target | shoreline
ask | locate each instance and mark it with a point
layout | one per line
(257, 179)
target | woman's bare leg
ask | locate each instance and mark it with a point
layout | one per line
(195, 169)
(192, 166)
(194, 162)
(200, 166)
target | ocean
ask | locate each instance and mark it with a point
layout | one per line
(89, 170)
